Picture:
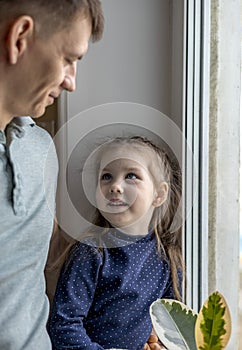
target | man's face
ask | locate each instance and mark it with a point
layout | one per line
(48, 67)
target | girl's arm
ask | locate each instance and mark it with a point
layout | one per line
(73, 299)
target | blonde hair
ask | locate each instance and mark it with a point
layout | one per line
(166, 220)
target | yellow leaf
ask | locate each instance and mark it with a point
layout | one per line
(213, 325)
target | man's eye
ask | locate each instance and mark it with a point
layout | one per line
(69, 61)
(131, 176)
(106, 176)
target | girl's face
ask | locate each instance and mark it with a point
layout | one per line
(126, 195)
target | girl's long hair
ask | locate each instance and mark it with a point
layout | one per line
(166, 221)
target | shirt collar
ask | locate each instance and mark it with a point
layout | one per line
(16, 128)
(23, 121)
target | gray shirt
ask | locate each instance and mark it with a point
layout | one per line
(28, 174)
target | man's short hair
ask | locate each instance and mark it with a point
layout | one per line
(52, 16)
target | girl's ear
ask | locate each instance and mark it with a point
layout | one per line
(20, 32)
(161, 194)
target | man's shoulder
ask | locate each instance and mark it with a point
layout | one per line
(28, 125)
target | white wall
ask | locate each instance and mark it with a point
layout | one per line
(223, 249)
(133, 60)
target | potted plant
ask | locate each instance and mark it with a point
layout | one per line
(180, 328)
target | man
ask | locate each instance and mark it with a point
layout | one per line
(40, 44)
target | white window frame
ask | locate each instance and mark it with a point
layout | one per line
(195, 127)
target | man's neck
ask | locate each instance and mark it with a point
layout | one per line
(4, 120)
(5, 114)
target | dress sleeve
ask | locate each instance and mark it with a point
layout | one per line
(169, 292)
(73, 298)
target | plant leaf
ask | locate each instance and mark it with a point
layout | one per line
(213, 325)
(174, 324)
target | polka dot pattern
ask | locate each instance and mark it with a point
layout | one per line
(102, 299)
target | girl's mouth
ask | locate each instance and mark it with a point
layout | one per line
(117, 203)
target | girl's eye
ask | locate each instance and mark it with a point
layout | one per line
(106, 176)
(131, 176)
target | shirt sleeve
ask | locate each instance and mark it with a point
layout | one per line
(73, 298)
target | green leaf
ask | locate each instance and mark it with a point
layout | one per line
(174, 324)
(213, 326)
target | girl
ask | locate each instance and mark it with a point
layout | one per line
(110, 278)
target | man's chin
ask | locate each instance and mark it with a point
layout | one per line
(38, 113)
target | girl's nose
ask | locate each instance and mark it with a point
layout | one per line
(116, 187)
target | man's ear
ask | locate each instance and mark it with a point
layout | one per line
(161, 194)
(19, 33)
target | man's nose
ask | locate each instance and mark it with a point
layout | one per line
(69, 82)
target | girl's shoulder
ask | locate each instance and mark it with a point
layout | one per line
(82, 256)
(87, 248)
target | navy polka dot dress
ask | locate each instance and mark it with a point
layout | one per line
(102, 299)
